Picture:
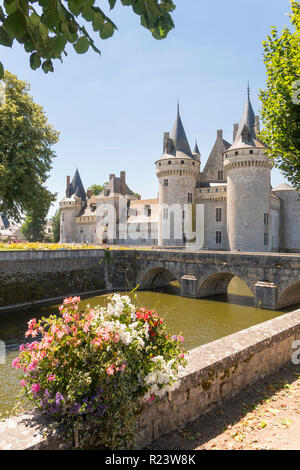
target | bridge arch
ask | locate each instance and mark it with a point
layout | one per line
(217, 284)
(290, 296)
(156, 277)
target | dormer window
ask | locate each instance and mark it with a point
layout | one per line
(220, 175)
(236, 153)
(169, 162)
(182, 162)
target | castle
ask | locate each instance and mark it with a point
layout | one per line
(229, 205)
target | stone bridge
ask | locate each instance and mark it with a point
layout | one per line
(274, 279)
(28, 277)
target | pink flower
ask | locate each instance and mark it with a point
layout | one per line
(23, 383)
(35, 388)
(16, 363)
(50, 378)
(110, 370)
(116, 338)
(67, 317)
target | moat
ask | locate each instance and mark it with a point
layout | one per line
(199, 320)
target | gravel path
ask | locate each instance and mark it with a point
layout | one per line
(266, 416)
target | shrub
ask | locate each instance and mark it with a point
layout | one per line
(93, 369)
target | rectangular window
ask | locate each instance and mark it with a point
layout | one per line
(266, 218)
(218, 214)
(166, 183)
(166, 213)
(266, 239)
(190, 197)
(220, 174)
(218, 237)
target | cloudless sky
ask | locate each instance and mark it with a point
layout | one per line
(112, 110)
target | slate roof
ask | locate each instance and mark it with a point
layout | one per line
(114, 186)
(179, 137)
(196, 149)
(76, 187)
(246, 135)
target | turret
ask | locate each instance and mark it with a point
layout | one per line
(177, 171)
(248, 187)
(196, 152)
(71, 207)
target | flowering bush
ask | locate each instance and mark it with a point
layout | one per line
(93, 369)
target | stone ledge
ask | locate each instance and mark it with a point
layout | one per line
(215, 372)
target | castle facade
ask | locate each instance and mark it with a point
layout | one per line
(229, 205)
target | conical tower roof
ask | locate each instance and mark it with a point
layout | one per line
(179, 137)
(76, 187)
(196, 149)
(246, 133)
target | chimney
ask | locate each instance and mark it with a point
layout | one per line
(235, 129)
(123, 185)
(68, 182)
(220, 134)
(111, 176)
(166, 138)
(256, 125)
(89, 193)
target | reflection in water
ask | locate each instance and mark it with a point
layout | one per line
(199, 320)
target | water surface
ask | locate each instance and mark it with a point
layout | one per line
(198, 320)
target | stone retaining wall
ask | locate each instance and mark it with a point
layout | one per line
(215, 372)
(219, 370)
(29, 276)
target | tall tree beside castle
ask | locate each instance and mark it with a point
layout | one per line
(281, 99)
(46, 31)
(56, 226)
(26, 140)
(34, 225)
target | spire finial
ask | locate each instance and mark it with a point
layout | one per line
(248, 89)
(178, 105)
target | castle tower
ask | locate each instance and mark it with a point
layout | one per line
(71, 207)
(177, 171)
(248, 187)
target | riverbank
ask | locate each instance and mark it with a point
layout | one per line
(265, 416)
(215, 373)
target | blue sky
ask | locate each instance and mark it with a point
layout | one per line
(112, 110)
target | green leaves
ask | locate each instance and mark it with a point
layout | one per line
(82, 45)
(45, 32)
(1, 70)
(5, 39)
(26, 139)
(280, 107)
(107, 30)
(15, 24)
(35, 61)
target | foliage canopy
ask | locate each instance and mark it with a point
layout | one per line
(26, 155)
(45, 27)
(281, 99)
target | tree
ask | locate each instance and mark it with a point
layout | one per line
(97, 188)
(25, 150)
(56, 226)
(34, 225)
(281, 99)
(46, 30)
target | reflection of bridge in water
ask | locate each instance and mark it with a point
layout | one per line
(273, 279)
